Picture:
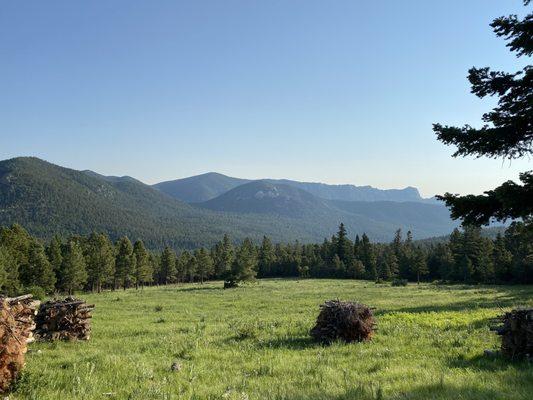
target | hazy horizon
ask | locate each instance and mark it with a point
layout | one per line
(342, 93)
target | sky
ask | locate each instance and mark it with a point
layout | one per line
(322, 91)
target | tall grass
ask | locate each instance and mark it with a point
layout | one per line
(253, 343)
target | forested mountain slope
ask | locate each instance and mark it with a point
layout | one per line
(48, 199)
(375, 218)
(196, 189)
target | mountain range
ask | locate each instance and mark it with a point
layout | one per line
(200, 188)
(187, 213)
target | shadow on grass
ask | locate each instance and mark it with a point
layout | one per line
(500, 302)
(493, 363)
(199, 288)
(434, 391)
(291, 343)
(445, 391)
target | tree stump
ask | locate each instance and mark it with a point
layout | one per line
(342, 320)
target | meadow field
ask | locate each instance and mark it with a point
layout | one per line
(253, 343)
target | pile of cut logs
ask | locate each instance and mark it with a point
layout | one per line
(344, 320)
(68, 319)
(516, 330)
(16, 326)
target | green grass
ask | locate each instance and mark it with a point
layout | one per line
(253, 343)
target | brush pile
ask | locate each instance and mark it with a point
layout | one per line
(348, 321)
(68, 319)
(230, 284)
(16, 326)
(516, 330)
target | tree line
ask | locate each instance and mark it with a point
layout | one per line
(94, 262)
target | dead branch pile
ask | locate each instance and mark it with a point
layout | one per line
(67, 319)
(516, 330)
(348, 321)
(16, 326)
(230, 284)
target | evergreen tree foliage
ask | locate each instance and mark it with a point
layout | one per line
(368, 258)
(7, 263)
(507, 132)
(502, 259)
(244, 265)
(168, 266)
(89, 262)
(192, 268)
(73, 275)
(124, 263)
(419, 266)
(53, 252)
(266, 257)
(38, 271)
(143, 266)
(182, 264)
(204, 264)
(387, 264)
(99, 259)
(223, 256)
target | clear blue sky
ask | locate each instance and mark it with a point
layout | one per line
(331, 91)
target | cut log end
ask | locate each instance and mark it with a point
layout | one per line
(67, 319)
(516, 333)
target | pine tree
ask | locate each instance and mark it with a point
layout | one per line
(507, 133)
(339, 269)
(54, 254)
(143, 267)
(18, 241)
(124, 263)
(467, 268)
(38, 271)
(244, 267)
(519, 240)
(444, 261)
(73, 274)
(192, 268)
(168, 266)
(181, 266)
(387, 264)
(502, 259)
(204, 264)
(358, 269)
(368, 258)
(155, 262)
(100, 261)
(419, 267)
(456, 248)
(7, 263)
(266, 257)
(397, 244)
(344, 247)
(357, 247)
(405, 254)
(4, 264)
(224, 254)
(485, 265)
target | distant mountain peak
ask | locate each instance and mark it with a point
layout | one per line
(265, 197)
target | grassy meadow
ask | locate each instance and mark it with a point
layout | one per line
(253, 343)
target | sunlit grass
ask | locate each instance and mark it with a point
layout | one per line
(253, 343)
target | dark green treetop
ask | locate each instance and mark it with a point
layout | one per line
(507, 132)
